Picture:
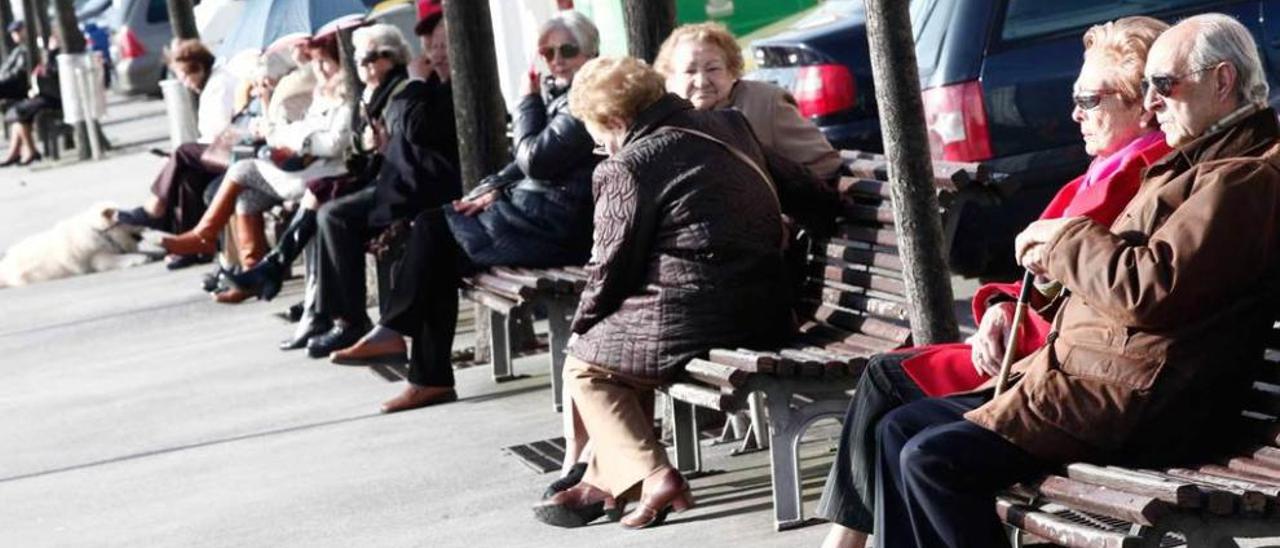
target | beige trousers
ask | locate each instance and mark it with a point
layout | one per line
(618, 415)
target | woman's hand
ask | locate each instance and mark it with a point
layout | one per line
(473, 207)
(992, 336)
(532, 82)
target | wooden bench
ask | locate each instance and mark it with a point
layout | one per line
(852, 305)
(1200, 505)
(507, 291)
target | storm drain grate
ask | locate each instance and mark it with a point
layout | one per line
(542, 456)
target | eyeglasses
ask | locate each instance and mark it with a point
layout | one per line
(373, 56)
(566, 51)
(1164, 83)
(1089, 100)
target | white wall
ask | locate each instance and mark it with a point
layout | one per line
(515, 33)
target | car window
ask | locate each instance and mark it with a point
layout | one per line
(157, 11)
(930, 21)
(1028, 18)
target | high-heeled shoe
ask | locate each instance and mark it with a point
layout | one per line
(33, 159)
(265, 278)
(671, 494)
(9, 162)
(576, 507)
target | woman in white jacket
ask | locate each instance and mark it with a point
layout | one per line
(313, 147)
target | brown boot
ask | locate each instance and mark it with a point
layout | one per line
(203, 239)
(251, 242)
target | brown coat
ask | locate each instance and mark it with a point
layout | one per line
(687, 247)
(1168, 309)
(779, 125)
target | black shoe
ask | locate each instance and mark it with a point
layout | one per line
(9, 162)
(182, 261)
(292, 314)
(137, 217)
(305, 333)
(263, 279)
(569, 480)
(33, 159)
(341, 336)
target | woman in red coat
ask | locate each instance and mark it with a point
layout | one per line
(1116, 131)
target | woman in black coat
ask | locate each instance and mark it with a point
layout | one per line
(535, 212)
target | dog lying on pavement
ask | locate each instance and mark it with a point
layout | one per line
(89, 242)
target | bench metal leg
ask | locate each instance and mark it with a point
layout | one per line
(558, 319)
(685, 436)
(500, 345)
(787, 424)
(759, 422)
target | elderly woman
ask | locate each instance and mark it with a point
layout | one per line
(381, 55)
(535, 212)
(177, 194)
(687, 257)
(45, 93)
(703, 63)
(1118, 132)
(313, 147)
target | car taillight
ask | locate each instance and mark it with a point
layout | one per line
(130, 46)
(824, 89)
(957, 122)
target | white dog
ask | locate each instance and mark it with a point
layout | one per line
(89, 242)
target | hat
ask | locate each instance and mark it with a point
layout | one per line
(16, 26)
(430, 12)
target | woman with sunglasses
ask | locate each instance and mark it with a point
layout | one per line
(1119, 133)
(535, 212)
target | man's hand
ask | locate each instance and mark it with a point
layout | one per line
(1030, 243)
(473, 207)
(992, 336)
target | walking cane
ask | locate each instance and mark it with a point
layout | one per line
(1019, 310)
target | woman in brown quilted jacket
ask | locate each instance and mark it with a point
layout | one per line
(687, 255)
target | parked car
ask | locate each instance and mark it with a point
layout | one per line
(142, 32)
(996, 78)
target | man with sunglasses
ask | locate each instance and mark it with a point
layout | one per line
(1162, 314)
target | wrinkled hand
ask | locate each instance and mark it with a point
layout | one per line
(989, 342)
(473, 207)
(1030, 243)
(532, 83)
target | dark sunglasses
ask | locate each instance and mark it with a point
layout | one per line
(1089, 100)
(373, 56)
(566, 51)
(1164, 83)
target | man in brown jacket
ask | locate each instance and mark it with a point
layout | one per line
(1161, 315)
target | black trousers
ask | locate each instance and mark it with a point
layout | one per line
(182, 185)
(937, 475)
(424, 298)
(849, 495)
(342, 228)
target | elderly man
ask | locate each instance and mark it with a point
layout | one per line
(1162, 314)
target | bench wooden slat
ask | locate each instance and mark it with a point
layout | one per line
(701, 396)
(746, 360)
(491, 300)
(723, 376)
(502, 286)
(1059, 530)
(864, 186)
(1254, 466)
(874, 306)
(1180, 494)
(868, 234)
(1251, 499)
(861, 256)
(1130, 507)
(1223, 471)
(837, 272)
(869, 213)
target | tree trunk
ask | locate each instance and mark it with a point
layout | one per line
(67, 27)
(6, 17)
(40, 24)
(31, 33)
(906, 144)
(182, 19)
(346, 54)
(649, 22)
(478, 110)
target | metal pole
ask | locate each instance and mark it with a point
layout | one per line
(182, 19)
(906, 144)
(649, 22)
(71, 42)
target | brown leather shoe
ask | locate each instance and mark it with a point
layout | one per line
(390, 351)
(415, 397)
(232, 296)
(664, 491)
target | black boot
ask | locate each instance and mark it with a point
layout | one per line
(265, 278)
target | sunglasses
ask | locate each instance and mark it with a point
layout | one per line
(373, 56)
(1164, 83)
(1089, 100)
(566, 51)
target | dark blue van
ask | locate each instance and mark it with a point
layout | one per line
(997, 77)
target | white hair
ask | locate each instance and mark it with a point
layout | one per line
(578, 26)
(1220, 38)
(382, 37)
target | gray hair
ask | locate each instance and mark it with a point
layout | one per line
(1220, 38)
(582, 30)
(382, 37)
